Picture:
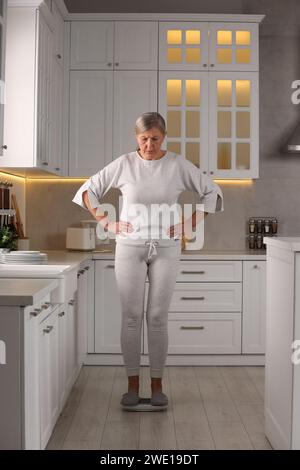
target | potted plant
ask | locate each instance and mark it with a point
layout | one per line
(8, 239)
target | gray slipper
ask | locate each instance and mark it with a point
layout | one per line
(159, 399)
(130, 398)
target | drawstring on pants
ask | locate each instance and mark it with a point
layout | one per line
(152, 248)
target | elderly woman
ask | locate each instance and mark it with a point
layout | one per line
(147, 177)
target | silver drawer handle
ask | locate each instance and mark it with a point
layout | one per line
(62, 314)
(110, 266)
(48, 329)
(36, 312)
(193, 272)
(192, 298)
(71, 302)
(192, 327)
(46, 305)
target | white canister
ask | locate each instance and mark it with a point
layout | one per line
(23, 244)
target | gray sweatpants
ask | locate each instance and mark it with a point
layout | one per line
(132, 265)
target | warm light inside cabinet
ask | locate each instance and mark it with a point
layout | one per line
(224, 124)
(174, 92)
(193, 56)
(174, 123)
(174, 147)
(192, 120)
(243, 124)
(224, 155)
(224, 38)
(192, 92)
(243, 92)
(224, 88)
(243, 155)
(174, 37)
(174, 56)
(192, 37)
(243, 56)
(224, 56)
(242, 38)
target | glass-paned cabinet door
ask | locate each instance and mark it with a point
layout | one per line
(233, 124)
(183, 102)
(233, 46)
(183, 46)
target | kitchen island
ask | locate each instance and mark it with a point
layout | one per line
(282, 378)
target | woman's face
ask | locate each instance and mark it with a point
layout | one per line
(150, 143)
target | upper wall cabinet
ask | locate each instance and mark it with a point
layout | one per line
(183, 46)
(233, 47)
(104, 106)
(213, 46)
(118, 45)
(58, 34)
(92, 46)
(34, 91)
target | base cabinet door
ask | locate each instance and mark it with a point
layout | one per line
(71, 340)
(48, 376)
(107, 309)
(63, 349)
(254, 307)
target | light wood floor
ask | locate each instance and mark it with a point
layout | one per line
(209, 408)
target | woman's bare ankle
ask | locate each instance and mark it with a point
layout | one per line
(133, 383)
(156, 385)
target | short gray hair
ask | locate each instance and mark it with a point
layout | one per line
(147, 121)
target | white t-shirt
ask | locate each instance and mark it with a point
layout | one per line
(150, 187)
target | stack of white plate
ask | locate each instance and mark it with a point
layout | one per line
(24, 257)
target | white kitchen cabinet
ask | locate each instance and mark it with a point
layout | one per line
(58, 22)
(3, 7)
(34, 369)
(108, 315)
(254, 307)
(208, 46)
(56, 156)
(233, 125)
(108, 45)
(282, 374)
(91, 121)
(183, 101)
(85, 307)
(134, 92)
(34, 85)
(71, 353)
(48, 375)
(233, 46)
(92, 45)
(204, 317)
(136, 45)
(183, 45)
(44, 93)
(62, 354)
(213, 120)
(110, 129)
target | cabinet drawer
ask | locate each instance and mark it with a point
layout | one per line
(207, 297)
(206, 271)
(203, 333)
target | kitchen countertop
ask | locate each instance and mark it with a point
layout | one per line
(286, 243)
(73, 260)
(67, 257)
(22, 292)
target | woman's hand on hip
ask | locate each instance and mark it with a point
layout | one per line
(119, 227)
